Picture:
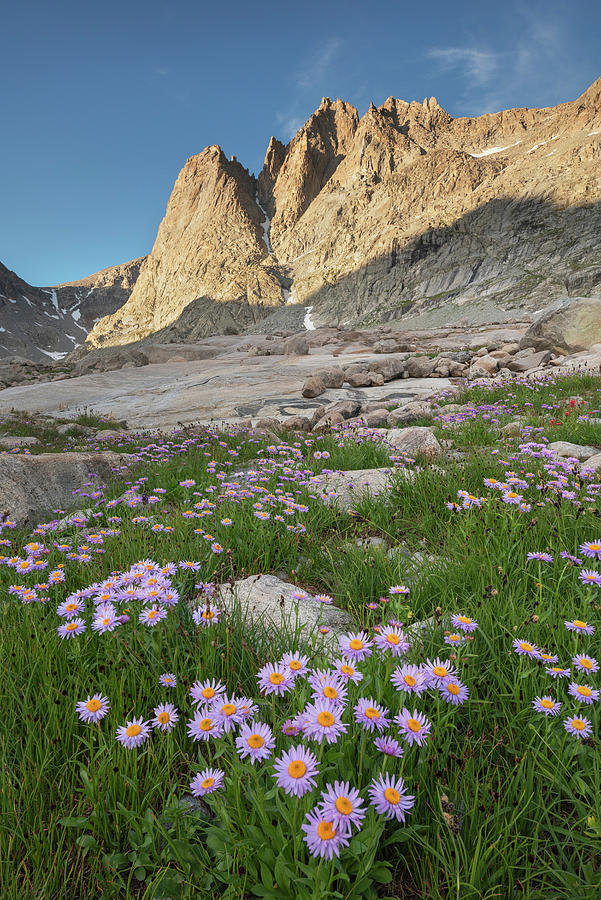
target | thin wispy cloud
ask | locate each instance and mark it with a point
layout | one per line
(494, 78)
(313, 70)
(162, 71)
(479, 65)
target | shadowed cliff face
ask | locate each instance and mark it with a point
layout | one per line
(47, 323)
(357, 206)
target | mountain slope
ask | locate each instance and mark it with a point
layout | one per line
(48, 323)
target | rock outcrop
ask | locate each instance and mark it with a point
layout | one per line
(570, 324)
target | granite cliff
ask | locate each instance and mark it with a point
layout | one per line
(405, 213)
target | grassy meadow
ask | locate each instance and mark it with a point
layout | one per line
(478, 790)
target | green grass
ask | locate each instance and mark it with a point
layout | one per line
(507, 803)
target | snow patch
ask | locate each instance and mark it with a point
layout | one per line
(53, 354)
(76, 314)
(265, 226)
(591, 133)
(536, 146)
(308, 322)
(492, 150)
(54, 298)
(2, 329)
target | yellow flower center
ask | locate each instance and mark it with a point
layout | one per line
(585, 663)
(168, 680)
(392, 796)
(297, 768)
(276, 678)
(205, 724)
(133, 730)
(330, 692)
(414, 725)
(527, 647)
(578, 724)
(295, 665)
(325, 718)
(393, 638)
(70, 607)
(410, 680)
(208, 783)
(372, 713)
(548, 704)
(208, 614)
(356, 644)
(228, 709)
(344, 806)
(93, 705)
(255, 741)
(163, 717)
(583, 690)
(453, 688)
(326, 831)
(208, 693)
(106, 621)
(594, 546)
(348, 670)
(71, 626)
(440, 671)
(579, 624)
(152, 614)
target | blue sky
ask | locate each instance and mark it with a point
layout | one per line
(102, 103)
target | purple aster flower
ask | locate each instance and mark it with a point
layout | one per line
(206, 615)
(438, 671)
(133, 733)
(546, 705)
(579, 726)
(579, 627)
(290, 728)
(68, 608)
(106, 621)
(371, 715)
(585, 663)
(389, 746)
(189, 565)
(229, 712)
(392, 638)
(255, 740)
(166, 717)
(70, 629)
(410, 679)
(152, 616)
(321, 837)
(389, 797)
(454, 639)
(274, 679)
(327, 685)
(589, 576)
(168, 679)
(525, 648)
(583, 692)
(557, 672)
(206, 691)
(464, 623)
(541, 557)
(323, 720)
(415, 728)
(295, 771)
(93, 709)
(347, 670)
(397, 589)
(547, 657)
(574, 560)
(297, 664)
(355, 646)
(453, 691)
(343, 806)
(206, 781)
(204, 725)
(592, 549)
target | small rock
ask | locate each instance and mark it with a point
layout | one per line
(419, 366)
(415, 441)
(313, 387)
(410, 412)
(565, 449)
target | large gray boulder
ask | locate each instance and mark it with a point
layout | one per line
(415, 441)
(270, 602)
(568, 325)
(32, 487)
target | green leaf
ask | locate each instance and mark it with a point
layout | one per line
(381, 873)
(73, 821)
(281, 873)
(140, 873)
